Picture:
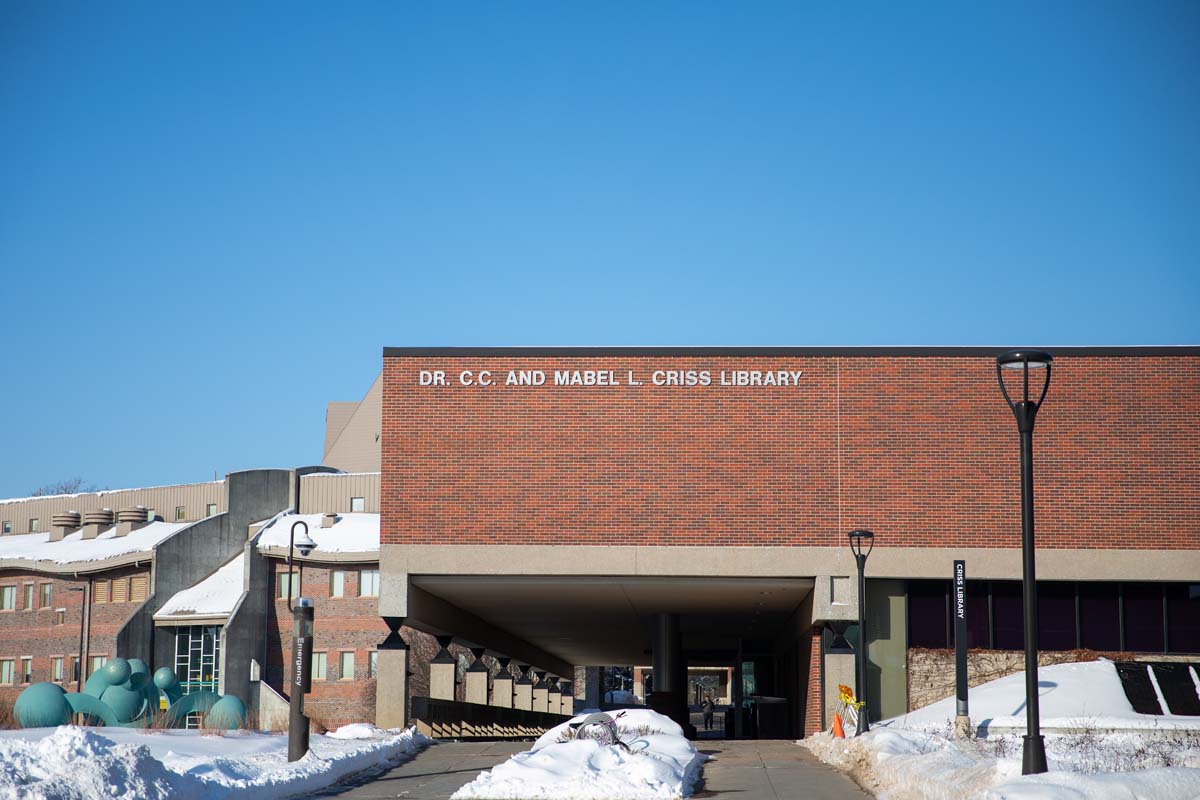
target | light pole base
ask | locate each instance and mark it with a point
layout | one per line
(1033, 761)
(962, 727)
(864, 724)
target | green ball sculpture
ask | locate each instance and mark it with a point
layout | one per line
(123, 693)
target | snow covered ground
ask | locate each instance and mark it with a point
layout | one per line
(663, 765)
(1101, 748)
(72, 763)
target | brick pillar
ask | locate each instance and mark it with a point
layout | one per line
(391, 678)
(539, 690)
(523, 689)
(441, 671)
(814, 697)
(476, 679)
(502, 685)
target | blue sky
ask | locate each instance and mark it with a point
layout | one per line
(212, 217)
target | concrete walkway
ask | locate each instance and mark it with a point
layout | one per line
(769, 770)
(738, 770)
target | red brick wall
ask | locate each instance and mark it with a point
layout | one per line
(35, 633)
(922, 449)
(341, 623)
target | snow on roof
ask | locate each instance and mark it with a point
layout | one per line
(103, 492)
(74, 548)
(338, 474)
(352, 533)
(215, 596)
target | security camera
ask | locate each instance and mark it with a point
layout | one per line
(302, 542)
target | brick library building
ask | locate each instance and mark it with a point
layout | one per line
(550, 529)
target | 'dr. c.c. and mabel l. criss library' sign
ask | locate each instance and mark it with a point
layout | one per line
(609, 377)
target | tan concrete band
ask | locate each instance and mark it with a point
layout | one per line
(884, 562)
(77, 567)
(324, 556)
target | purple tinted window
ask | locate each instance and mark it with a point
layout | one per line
(1144, 617)
(1099, 616)
(1007, 615)
(1183, 617)
(927, 613)
(1056, 616)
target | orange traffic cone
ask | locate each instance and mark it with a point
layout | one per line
(838, 731)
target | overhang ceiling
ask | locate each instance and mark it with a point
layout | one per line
(604, 620)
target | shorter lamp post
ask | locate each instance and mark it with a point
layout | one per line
(83, 615)
(859, 540)
(302, 635)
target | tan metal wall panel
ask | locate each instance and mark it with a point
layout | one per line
(357, 447)
(321, 493)
(194, 497)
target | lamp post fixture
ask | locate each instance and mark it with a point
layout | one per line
(859, 540)
(83, 614)
(302, 617)
(1025, 410)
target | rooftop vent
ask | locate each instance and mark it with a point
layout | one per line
(130, 519)
(328, 518)
(96, 521)
(63, 523)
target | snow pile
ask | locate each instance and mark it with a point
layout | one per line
(216, 595)
(351, 533)
(621, 697)
(70, 762)
(915, 756)
(663, 765)
(73, 547)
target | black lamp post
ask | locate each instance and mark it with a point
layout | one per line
(1025, 410)
(302, 617)
(859, 540)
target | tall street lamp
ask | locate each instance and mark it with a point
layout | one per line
(302, 619)
(859, 540)
(1025, 410)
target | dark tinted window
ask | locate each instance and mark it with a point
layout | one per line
(1056, 616)
(1099, 620)
(1007, 615)
(977, 614)
(1183, 617)
(1144, 617)
(927, 615)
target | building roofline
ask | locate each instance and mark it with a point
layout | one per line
(783, 351)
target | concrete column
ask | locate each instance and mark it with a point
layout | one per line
(441, 671)
(391, 678)
(523, 689)
(553, 696)
(567, 699)
(670, 672)
(476, 679)
(539, 690)
(591, 687)
(502, 685)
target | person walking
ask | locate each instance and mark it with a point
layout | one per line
(708, 707)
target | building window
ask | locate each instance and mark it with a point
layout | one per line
(26, 669)
(198, 661)
(337, 583)
(1144, 617)
(1100, 616)
(139, 588)
(372, 663)
(928, 613)
(319, 667)
(101, 592)
(180, 513)
(60, 616)
(210, 510)
(33, 525)
(97, 663)
(1183, 617)
(289, 580)
(368, 583)
(1056, 616)
(358, 504)
(75, 668)
(6, 671)
(346, 666)
(29, 597)
(8, 526)
(8, 598)
(1008, 621)
(56, 669)
(120, 590)
(47, 591)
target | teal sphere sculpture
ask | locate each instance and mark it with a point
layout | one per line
(116, 671)
(42, 705)
(228, 712)
(164, 678)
